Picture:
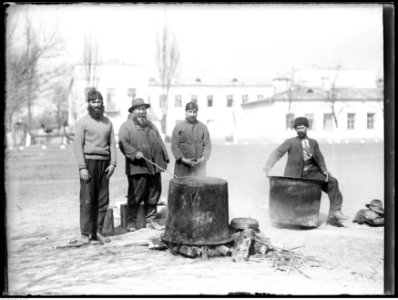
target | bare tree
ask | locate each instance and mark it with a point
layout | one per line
(91, 61)
(60, 99)
(30, 66)
(332, 94)
(167, 59)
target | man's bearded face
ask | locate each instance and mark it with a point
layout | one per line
(301, 131)
(139, 115)
(96, 108)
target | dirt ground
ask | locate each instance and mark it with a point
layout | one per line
(43, 211)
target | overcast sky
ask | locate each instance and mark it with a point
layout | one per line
(229, 40)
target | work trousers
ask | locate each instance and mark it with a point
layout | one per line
(143, 188)
(331, 187)
(94, 197)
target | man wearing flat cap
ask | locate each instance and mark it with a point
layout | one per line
(305, 160)
(146, 157)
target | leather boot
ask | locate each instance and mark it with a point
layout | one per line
(102, 239)
(332, 220)
(338, 214)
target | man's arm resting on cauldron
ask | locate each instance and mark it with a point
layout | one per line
(276, 155)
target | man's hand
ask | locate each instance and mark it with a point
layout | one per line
(139, 155)
(84, 175)
(188, 161)
(197, 161)
(109, 171)
(266, 170)
(327, 174)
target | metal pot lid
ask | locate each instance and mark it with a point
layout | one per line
(244, 223)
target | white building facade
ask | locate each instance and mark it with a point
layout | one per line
(357, 116)
(118, 83)
(237, 111)
(220, 105)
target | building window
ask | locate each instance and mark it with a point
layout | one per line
(350, 121)
(177, 101)
(260, 97)
(194, 98)
(290, 121)
(310, 118)
(131, 93)
(327, 121)
(230, 101)
(245, 99)
(209, 100)
(110, 100)
(371, 121)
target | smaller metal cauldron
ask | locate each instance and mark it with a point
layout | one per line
(197, 211)
(295, 201)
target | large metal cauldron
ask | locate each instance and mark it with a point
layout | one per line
(197, 211)
(294, 201)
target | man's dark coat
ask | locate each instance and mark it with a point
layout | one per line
(295, 158)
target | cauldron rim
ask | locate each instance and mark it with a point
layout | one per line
(199, 179)
(316, 181)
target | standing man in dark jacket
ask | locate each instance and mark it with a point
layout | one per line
(305, 160)
(141, 144)
(190, 144)
(95, 152)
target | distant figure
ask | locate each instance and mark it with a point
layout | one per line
(190, 144)
(95, 153)
(145, 152)
(373, 216)
(305, 160)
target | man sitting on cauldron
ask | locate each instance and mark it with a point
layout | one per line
(305, 160)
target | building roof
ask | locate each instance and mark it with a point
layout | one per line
(215, 81)
(318, 94)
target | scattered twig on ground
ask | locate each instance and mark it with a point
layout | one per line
(76, 245)
(302, 273)
(290, 265)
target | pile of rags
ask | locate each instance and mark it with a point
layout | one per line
(373, 216)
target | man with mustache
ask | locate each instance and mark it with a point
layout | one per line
(190, 144)
(95, 152)
(141, 144)
(305, 160)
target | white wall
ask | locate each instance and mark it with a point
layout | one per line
(219, 117)
(121, 78)
(268, 122)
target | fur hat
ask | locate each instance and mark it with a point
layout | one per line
(300, 121)
(376, 205)
(138, 102)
